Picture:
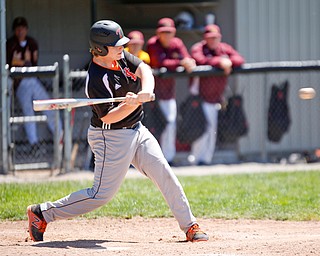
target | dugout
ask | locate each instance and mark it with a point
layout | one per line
(262, 31)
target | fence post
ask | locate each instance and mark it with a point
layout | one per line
(264, 152)
(4, 89)
(56, 141)
(67, 126)
(5, 119)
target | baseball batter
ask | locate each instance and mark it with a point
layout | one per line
(117, 137)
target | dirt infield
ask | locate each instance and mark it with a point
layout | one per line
(161, 236)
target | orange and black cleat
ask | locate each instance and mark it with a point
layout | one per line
(195, 234)
(37, 224)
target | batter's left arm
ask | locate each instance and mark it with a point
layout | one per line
(147, 82)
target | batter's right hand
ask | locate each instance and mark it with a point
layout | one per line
(144, 96)
(137, 99)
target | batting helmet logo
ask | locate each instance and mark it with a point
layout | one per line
(119, 32)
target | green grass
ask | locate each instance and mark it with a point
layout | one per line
(278, 196)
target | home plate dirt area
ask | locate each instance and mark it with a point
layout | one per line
(162, 236)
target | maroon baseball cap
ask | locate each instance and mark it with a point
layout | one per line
(212, 30)
(166, 25)
(136, 37)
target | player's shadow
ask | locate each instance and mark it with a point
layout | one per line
(87, 244)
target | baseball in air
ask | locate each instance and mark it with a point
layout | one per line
(307, 93)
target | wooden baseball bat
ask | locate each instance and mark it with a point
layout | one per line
(53, 104)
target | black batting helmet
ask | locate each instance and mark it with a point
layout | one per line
(105, 33)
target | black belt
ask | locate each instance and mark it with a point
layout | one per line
(111, 127)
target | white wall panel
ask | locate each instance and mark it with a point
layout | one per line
(273, 30)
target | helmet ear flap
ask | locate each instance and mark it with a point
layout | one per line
(101, 52)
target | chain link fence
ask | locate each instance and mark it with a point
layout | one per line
(46, 153)
(261, 118)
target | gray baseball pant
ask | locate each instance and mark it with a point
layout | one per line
(114, 151)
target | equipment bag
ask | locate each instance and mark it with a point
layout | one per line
(278, 112)
(191, 122)
(154, 118)
(232, 121)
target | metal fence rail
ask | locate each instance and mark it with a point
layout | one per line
(18, 152)
(257, 67)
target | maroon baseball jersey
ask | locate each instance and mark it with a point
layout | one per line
(13, 45)
(166, 57)
(212, 87)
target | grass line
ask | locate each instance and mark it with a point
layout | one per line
(278, 196)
